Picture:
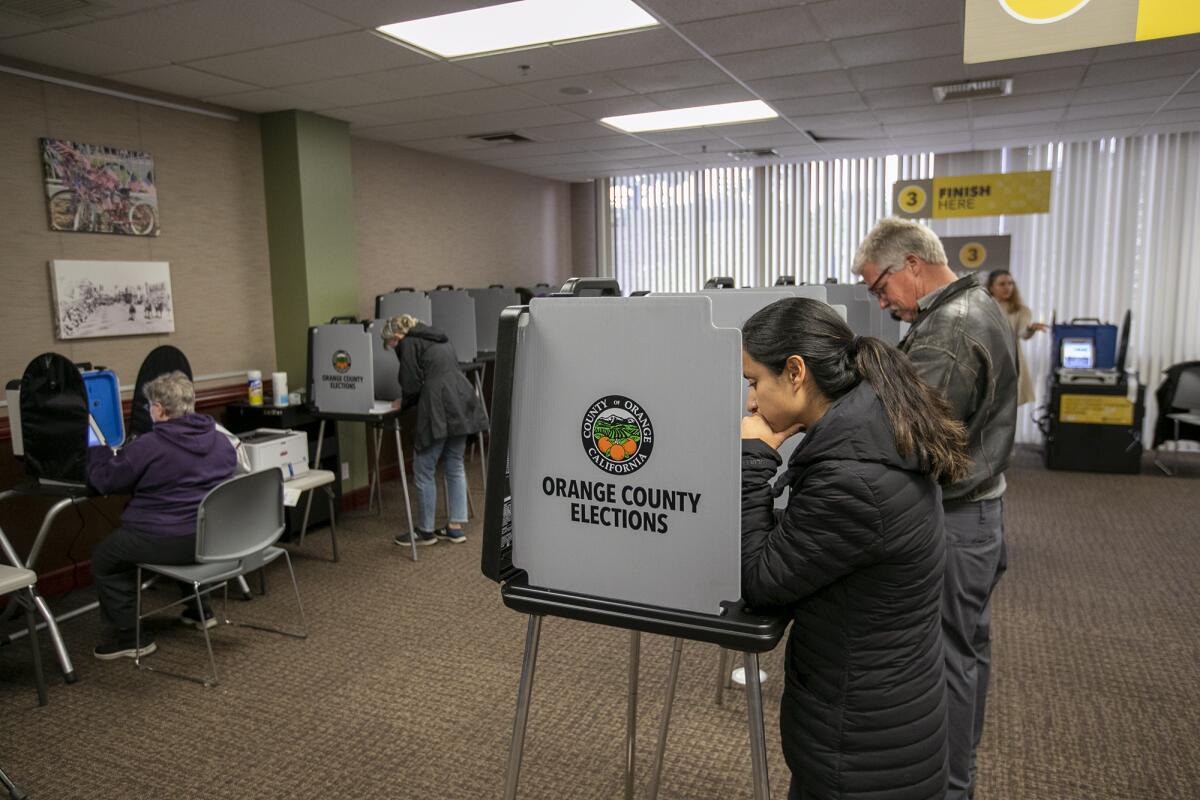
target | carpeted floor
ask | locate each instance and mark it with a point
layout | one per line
(407, 684)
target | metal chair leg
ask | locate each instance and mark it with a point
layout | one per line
(758, 739)
(635, 652)
(14, 791)
(36, 646)
(516, 747)
(665, 725)
(332, 520)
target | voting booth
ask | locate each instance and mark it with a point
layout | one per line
(342, 388)
(489, 303)
(453, 312)
(404, 301)
(616, 496)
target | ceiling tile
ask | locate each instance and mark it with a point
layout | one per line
(665, 77)
(19, 26)
(373, 13)
(930, 112)
(672, 138)
(1051, 80)
(690, 10)
(57, 49)
(775, 28)
(944, 143)
(705, 146)
(1184, 101)
(885, 48)
(844, 18)
(317, 59)
(1154, 47)
(413, 109)
(1019, 102)
(817, 83)
(1015, 136)
(544, 63)
(1017, 66)
(1104, 125)
(936, 127)
(486, 101)
(751, 128)
(701, 96)
(822, 104)
(899, 97)
(1048, 116)
(551, 91)
(802, 58)
(613, 106)
(182, 81)
(847, 119)
(929, 71)
(262, 101)
(1160, 87)
(1145, 105)
(775, 140)
(1136, 69)
(204, 28)
(453, 144)
(428, 79)
(1185, 116)
(576, 130)
(342, 92)
(484, 123)
(638, 49)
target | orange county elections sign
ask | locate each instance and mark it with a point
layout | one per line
(972, 195)
(1002, 29)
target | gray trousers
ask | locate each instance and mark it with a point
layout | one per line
(975, 560)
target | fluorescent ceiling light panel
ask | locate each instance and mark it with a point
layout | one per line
(511, 26)
(697, 117)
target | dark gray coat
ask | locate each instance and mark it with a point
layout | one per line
(857, 559)
(431, 379)
(962, 345)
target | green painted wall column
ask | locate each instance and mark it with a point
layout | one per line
(310, 231)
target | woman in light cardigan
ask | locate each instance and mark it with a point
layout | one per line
(1003, 289)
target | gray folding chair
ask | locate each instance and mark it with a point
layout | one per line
(237, 526)
(20, 582)
(1187, 396)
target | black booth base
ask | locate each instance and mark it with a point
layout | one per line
(737, 629)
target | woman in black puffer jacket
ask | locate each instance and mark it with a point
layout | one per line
(857, 555)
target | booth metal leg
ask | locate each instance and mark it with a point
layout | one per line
(665, 724)
(635, 653)
(412, 534)
(723, 680)
(758, 739)
(517, 747)
(483, 405)
(377, 477)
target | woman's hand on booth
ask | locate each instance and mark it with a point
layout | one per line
(396, 405)
(755, 427)
(1034, 327)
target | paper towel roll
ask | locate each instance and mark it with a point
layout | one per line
(279, 388)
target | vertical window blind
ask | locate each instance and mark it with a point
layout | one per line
(1121, 234)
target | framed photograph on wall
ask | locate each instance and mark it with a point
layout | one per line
(95, 189)
(111, 298)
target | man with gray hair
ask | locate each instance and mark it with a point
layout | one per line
(168, 471)
(962, 345)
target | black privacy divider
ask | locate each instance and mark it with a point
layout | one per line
(162, 359)
(54, 419)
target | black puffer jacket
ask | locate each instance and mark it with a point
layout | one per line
(430, 378)
(857, 558)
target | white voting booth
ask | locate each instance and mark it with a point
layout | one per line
(342, 387)
(621, 501)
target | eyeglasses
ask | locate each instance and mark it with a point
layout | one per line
(875, 287)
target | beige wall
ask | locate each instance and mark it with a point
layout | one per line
(583, 229)
(422, 219)
(212, 217)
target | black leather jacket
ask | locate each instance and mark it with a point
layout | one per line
(962, 345)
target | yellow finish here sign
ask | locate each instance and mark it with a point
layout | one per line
(1002, 29)
(973, 195)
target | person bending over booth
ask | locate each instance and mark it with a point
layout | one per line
(168, 471)
(448, 411)
(857, 556)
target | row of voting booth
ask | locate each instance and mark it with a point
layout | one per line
(614, 483)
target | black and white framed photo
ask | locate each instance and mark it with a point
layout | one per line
(111, 298)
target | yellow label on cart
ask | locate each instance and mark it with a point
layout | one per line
(1095, 409)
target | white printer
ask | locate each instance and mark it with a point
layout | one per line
(269, 447)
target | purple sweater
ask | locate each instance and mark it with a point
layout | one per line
(168, 471)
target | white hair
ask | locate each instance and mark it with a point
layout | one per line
(174, 392)
(892, 239)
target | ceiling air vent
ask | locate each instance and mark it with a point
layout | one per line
(505, 137)
(753, 153)
(44, 10)
(973, 90)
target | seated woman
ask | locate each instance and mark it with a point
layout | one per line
(856, 557)
(168, 471)
(448, 411)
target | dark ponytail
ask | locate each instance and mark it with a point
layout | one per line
(838, 361)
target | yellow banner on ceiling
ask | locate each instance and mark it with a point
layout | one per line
(1002, 29)
(973, 195)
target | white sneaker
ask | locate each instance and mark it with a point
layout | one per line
(738, 676)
